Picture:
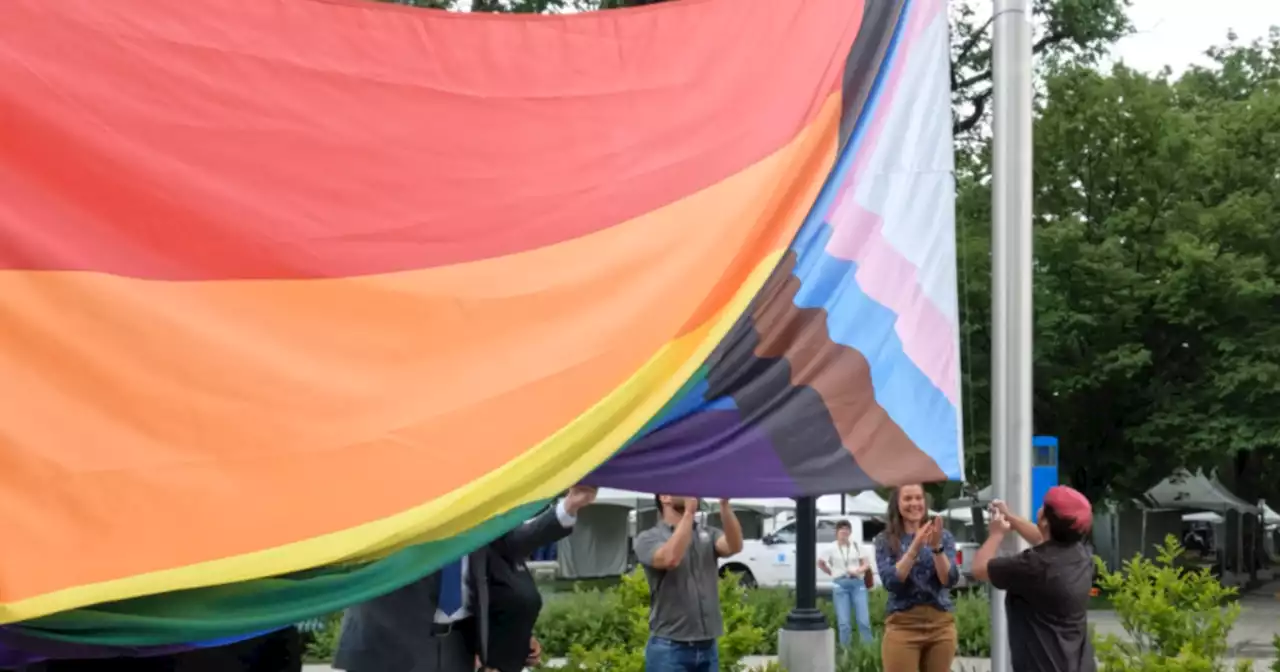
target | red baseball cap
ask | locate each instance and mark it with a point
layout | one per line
(1067, 503)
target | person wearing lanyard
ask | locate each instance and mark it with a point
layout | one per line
(844, 561)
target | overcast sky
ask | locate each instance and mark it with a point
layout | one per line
(1176, 32)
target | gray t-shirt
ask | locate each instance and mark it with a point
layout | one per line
(684, 602)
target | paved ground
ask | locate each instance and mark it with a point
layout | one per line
(1251, 637)
(755, 662)
(960, 665)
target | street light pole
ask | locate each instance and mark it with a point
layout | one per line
(805, 643)
(805, 615)
(1011, 256)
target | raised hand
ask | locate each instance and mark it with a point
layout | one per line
(935, 532)
(579, 496)
(922, 536)
(690, 506)
(999, 524)
(1000, 507)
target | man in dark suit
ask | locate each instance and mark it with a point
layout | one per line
(438, 623)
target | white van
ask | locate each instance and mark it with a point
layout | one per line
(771, 561)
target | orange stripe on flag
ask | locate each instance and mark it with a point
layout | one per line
(159, 424)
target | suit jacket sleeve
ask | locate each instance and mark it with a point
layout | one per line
(521, 542)
(511, 548)
(387, 631)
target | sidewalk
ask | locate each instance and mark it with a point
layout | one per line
(756, 662)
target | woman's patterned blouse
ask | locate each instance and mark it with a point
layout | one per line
(921, 586)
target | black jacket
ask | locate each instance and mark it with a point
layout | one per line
(390, 633)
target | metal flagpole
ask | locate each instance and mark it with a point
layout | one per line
(1011, 249)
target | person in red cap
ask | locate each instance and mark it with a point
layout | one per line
(1047, 586)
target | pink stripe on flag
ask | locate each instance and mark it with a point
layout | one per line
(928, 337)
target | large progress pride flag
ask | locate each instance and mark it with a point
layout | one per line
(304, 298)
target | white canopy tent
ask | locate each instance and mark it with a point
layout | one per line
(1269, 516)
(1198, 492)
(865, 503)
(644, 500)
(757, 514)
(1185, 490)
(600, 544)
(627, 498)
(765, 505)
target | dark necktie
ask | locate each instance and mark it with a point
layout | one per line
(451, 588)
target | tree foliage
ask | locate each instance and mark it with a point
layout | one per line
(1157, 269)
(1076, 31)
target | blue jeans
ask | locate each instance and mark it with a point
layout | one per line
(850, 596)
(665, 655)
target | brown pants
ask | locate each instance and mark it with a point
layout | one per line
(922, 639)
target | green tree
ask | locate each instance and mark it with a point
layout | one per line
(1157, 269)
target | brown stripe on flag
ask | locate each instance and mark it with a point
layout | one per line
(842, 377)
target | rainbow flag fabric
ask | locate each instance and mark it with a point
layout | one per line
(304, 298)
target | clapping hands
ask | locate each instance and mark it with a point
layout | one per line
(929, 534)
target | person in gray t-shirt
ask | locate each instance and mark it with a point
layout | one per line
(680, 561)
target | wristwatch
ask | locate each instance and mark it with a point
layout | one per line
(938, 550)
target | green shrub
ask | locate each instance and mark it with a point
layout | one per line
(770, 606)
(1275, 644)
(860, 658)
(586, 617)
(603, 623)
(972, 614)
(742, 636)
(973, 624)
(1176, 619)
(322, 642)
(620, 644)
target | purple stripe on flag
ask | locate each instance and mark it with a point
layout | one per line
(711, 453)
(18, 649)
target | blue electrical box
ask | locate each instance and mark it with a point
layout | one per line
(1044, 469)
